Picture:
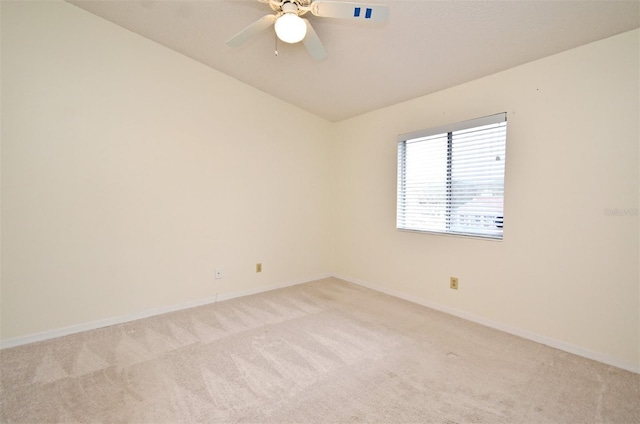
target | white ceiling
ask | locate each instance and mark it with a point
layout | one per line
(426, 46)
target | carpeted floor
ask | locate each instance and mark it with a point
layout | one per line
(321, 352)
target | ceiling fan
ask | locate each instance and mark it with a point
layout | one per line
(290, 27)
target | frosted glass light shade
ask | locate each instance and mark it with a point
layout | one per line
(290, 28)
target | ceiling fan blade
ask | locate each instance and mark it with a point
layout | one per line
(313, 44)
(342, 10)
(253, 29)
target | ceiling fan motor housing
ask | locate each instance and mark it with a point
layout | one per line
(301, 6)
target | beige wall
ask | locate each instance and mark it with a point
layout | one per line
(565, 270)
(129, 173)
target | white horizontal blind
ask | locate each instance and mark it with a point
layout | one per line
(451, 179)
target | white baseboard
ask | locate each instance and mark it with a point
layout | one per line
(52, 334)
(556, 344)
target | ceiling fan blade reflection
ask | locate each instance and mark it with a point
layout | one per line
(358, 11)
(313, 44)
(252, 30)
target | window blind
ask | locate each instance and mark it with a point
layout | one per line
(451, 179)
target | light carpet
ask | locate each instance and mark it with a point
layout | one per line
(321, 352)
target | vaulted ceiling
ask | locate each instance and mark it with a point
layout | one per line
(425, 46)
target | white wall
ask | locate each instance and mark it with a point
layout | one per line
(565, 271)
(130, 172)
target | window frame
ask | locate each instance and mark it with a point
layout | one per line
(447, 130)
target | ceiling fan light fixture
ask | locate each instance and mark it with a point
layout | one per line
(290, 28)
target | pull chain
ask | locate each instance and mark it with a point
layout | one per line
(276, 43)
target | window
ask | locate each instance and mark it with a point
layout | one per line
(451, 179)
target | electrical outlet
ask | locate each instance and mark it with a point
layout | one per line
(453, 283)
(258, 267)
(218, 273)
